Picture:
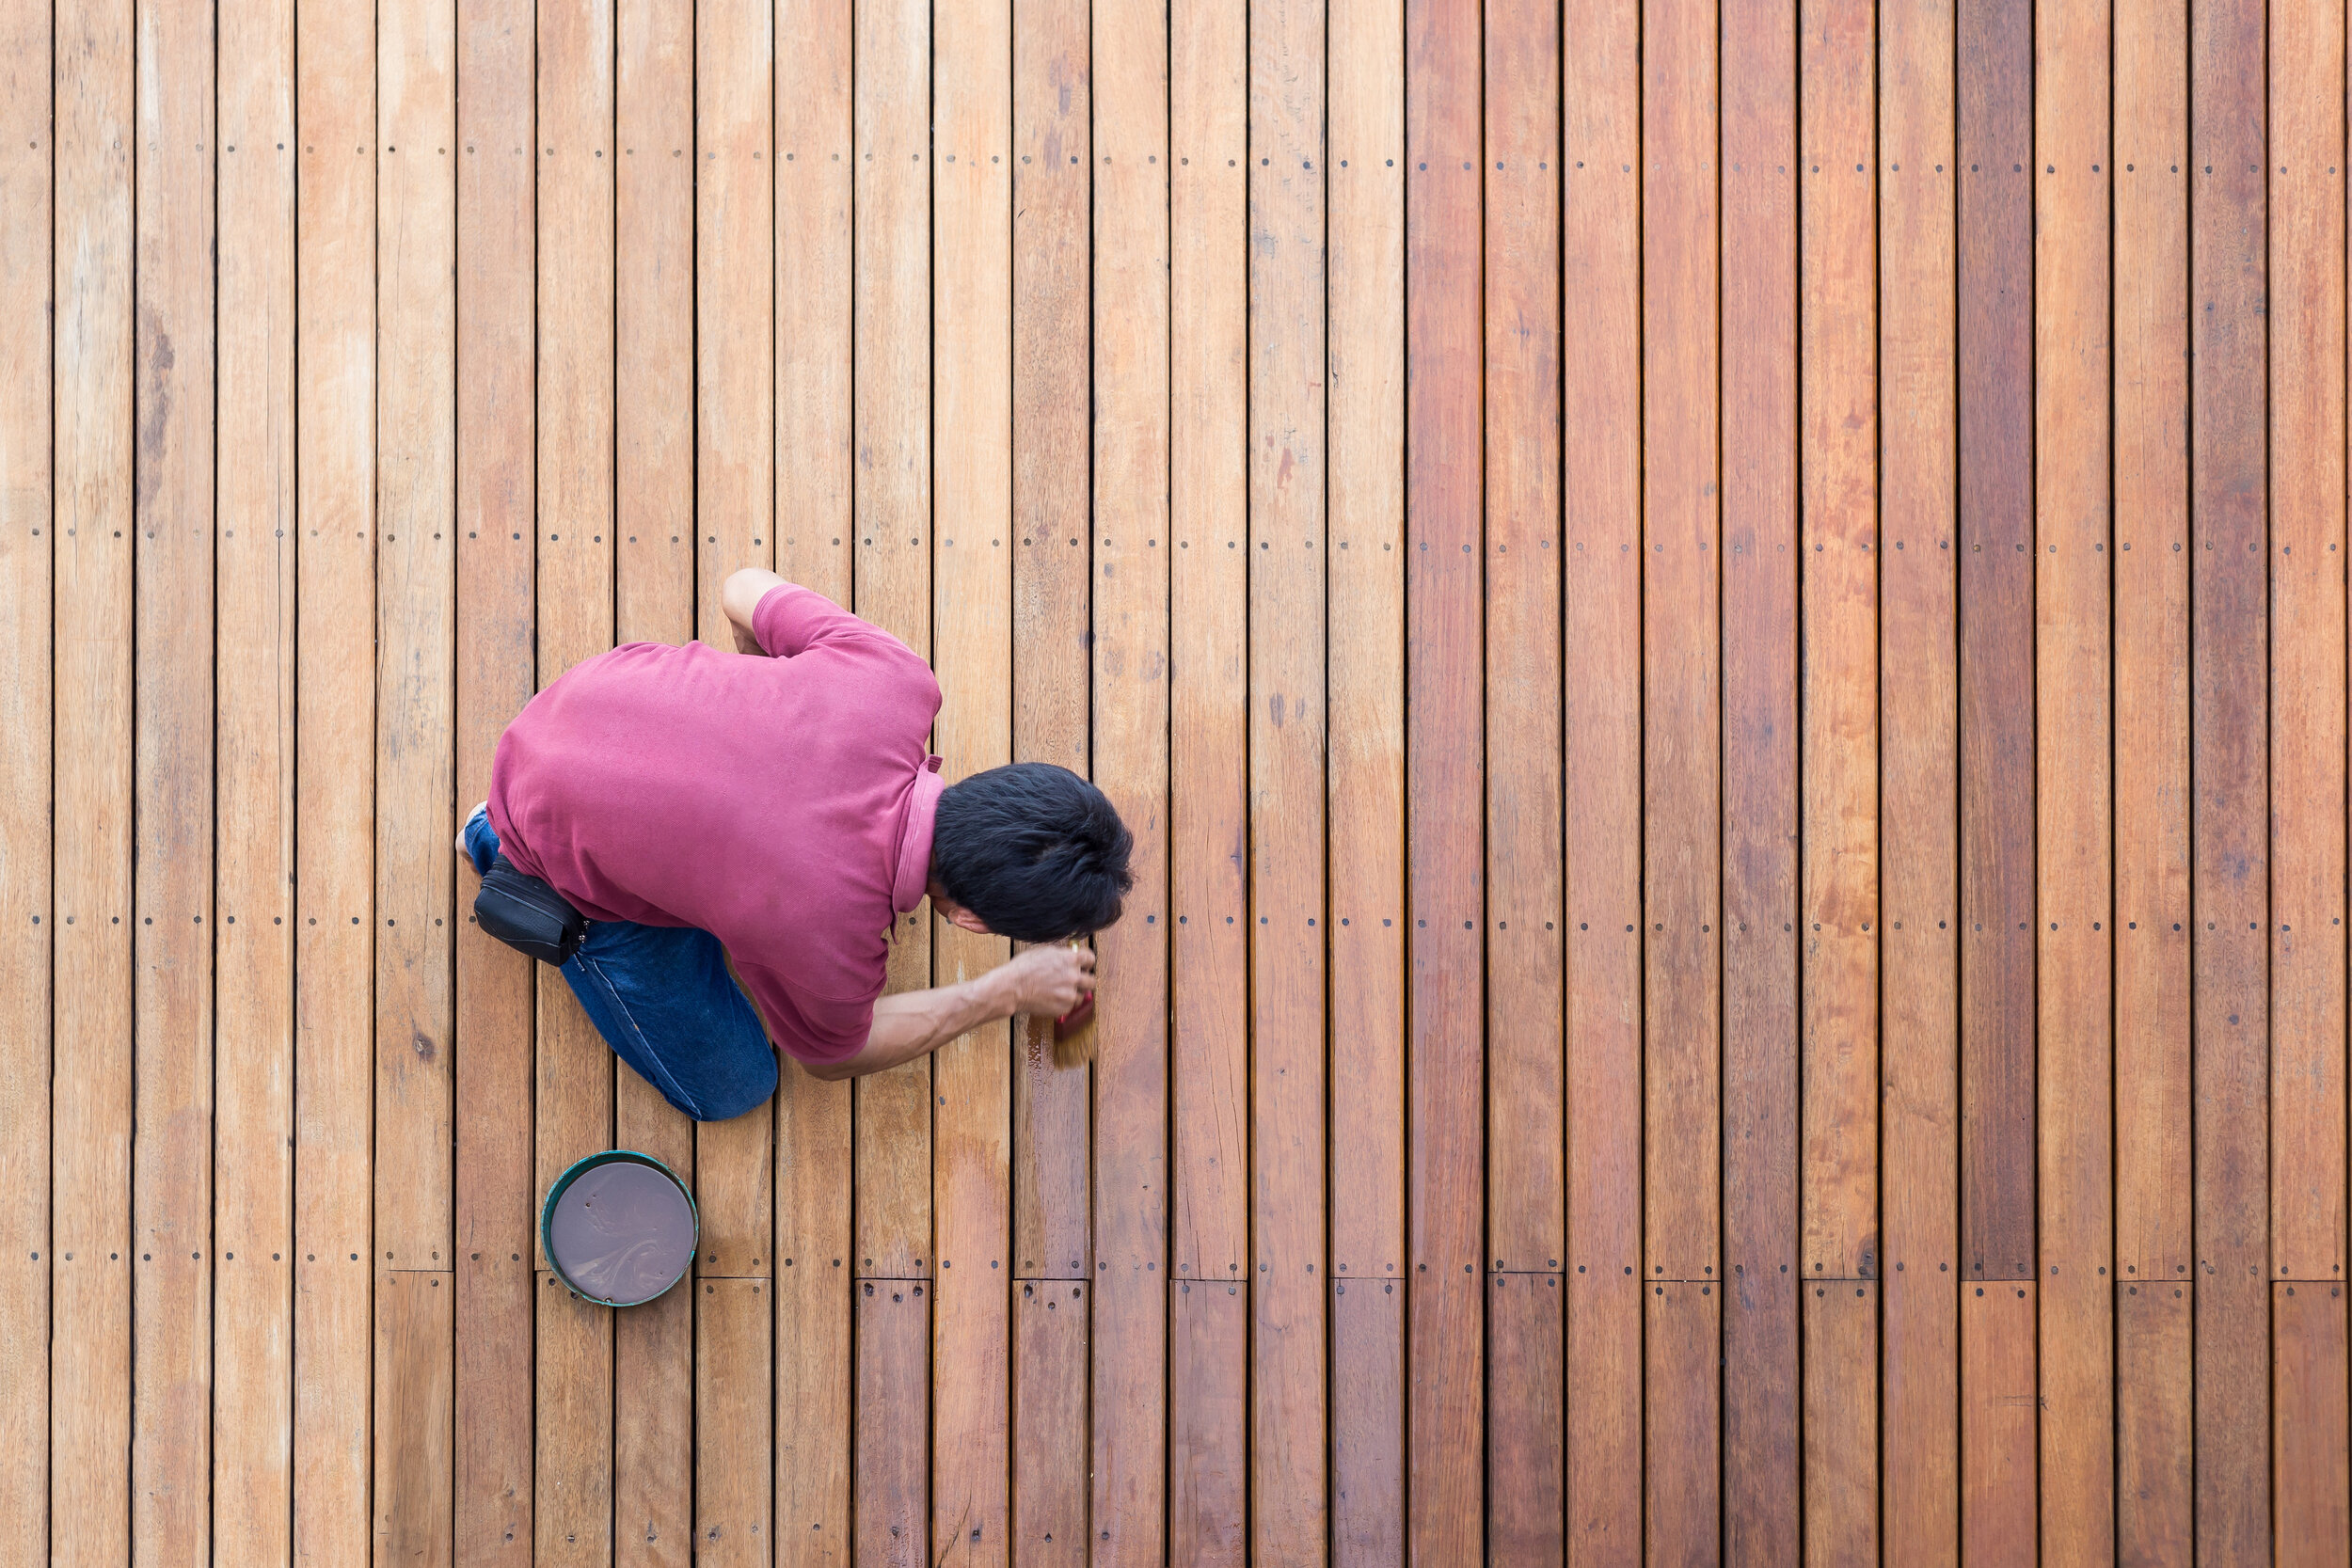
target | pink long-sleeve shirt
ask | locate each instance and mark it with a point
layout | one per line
(783, 804)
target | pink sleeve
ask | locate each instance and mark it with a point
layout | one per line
(789, 620)
(807, 1028)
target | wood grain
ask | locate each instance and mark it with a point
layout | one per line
(2314, 1506)
(1998, 1419)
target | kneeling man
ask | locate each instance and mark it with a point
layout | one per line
(783, 811)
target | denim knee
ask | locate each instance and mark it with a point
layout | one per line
(753, 1090)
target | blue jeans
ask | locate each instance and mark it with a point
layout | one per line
(661, 997)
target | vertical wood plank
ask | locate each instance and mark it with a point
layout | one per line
(1052, 108)
(2311, 1438)
(335, 694)
(90, 522)
(2153, 1000)
(1128, 1453)
(1759, 781)
(2074, 871)
(172, 946)
(814, 1377)
(1840, 899)
(1287, 541)
(1365, 773)
(28, 905)
(736, 498)
(891, 551)
(1919, 773)
(892, 1321)
(575, 504)
(972, 642)
(414, 771)
(1996, 1420)
(1602, 741)
(1526, 980)
(2305, 319)
(1445, 893)
(253, 1062)
(1682, 735)
(496, 433)
(2230, 632)
(1208, 753)
(653, 1352)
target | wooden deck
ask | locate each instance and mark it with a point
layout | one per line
(1723, 627)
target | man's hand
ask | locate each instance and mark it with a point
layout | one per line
(1049, 981)
(739, 596)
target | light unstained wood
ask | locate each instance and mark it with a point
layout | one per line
(1918, 682)
(732, 1328)
(1208, 1367)
(2075, 872)
(1445, 1157)
(1760, 959)
(415, 1393)
(1050, 1333)
(572, 1505)
(336, 355)
(172, 542)
(971, 412)
(1602, 771)
(496, 425)
(1127, 1436)
(29, 911)
(893, 1330)
(1208, 812)
(813, 1274)
(1367, 1435)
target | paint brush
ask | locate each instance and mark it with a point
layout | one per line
(1074, 1033)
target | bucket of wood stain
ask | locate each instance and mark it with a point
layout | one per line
(619, 1227)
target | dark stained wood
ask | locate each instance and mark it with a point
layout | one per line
(1526, 1324)
(1997, 1420)
(1444, 895)
(1919, 763)
(1682, 1329)
(1208, 1361)
(2154, 1446)
(1367, 1442)
(2229, 635)
(2310, 1439)
(1841, 1328)
(1601, 768)
(1758, 378)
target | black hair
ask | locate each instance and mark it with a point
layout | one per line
(1034, 850)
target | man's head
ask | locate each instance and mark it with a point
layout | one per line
(1030, 851)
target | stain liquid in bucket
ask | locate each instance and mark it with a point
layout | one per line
(622, 1231)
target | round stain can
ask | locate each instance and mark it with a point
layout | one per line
(619, 1227)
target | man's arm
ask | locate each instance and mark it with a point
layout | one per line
(740, 597)
(1042, 980)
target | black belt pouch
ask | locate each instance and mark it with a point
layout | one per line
(528, 915)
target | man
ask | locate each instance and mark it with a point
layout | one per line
(783, 811)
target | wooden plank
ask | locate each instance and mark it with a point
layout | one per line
(253, 1061)
(415, 1320)
(732, 1323)
(1603, 739)
(497, 424)
(1919, 773)
(1208, 1374)
(814, 1377)
(1052, 1247)
(893, 1325)
(2153, 1003)
(1682, 1341)
(575, 497)
(814, 335)
(1445, 1158)
(972, 643)
(2305, 304)
(1682, 799)
(90, 1349)
(1364, 771)
(335, 697)
(2312, 1428)
(171, 891)
(1049, 1403)
(1526, 1323)
(1759, 781)
(653, 1350)
(891, 438)
(27, 906)
(1997, 1420)
(2074, 871)
(1208, 753)
(2230, 634)
(1840, 1331)
(414, 771)
(2155, 1447)
(1287, 541)
(1128, 1457)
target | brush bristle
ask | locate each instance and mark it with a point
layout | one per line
(1074, 1046)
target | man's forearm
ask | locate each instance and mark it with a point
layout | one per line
(917, 1022)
